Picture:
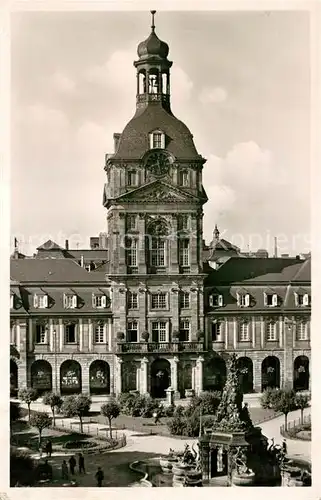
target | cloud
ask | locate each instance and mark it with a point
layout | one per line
(62, 83)
(181, 87)
(210, 95)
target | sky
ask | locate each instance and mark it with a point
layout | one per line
(240, 81)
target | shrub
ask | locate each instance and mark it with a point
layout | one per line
(176, 426)
(137, 405)
(179, 411)
(120, 336)
(126, 402)
(22, 468)
(269, 398)
(79, 406)
(207, 402)
(69, 445)
(28, 396)
(54, 401)
(168, 411)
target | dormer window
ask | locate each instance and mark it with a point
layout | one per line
(302, 299)
(270, 299)
(12, 301)
(216, 300)
(243, 299)
(132, 178)
(40, 301)
(183, 178)
(157, 140)
(70, 301)
(99, 301)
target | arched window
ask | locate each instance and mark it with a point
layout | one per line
(157, 139)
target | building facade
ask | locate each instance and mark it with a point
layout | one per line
(152, 306)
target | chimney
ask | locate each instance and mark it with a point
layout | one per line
(67, 245)
(275, 247)
(116, 141)
(82, 261)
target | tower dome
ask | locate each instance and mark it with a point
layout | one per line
(153, 46)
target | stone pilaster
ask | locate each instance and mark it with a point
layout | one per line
(257, 375)
(122, 268)
(61, 332)
(144, 376)
(81, 334)
(85, 383)
(289, 335)
(141, 245)
(199, 375)
(193, 242)
(30, 335)
(90, 335)
(118, 376)
(174, 376)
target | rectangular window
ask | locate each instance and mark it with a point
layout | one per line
(217, 330)
(184, 329)
(132, 178)
(70, 334)
(131, 252)
(184, 252)
(244, 332)
(41, 334)
(184, 178)
(302, 299)
(131, 222)
(271, 331)
(184, 300)
(157, 140)
(270, 299)
(132, 331)
(302, 330)
(132, 300)
(216, 300)
(99, 334)
(40, 301)
(243, 299)
(183, 222)
(99, 301)
(158, 253)
(70, 301)
(158, 301)
(159, 331)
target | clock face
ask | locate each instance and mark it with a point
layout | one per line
(158, 163)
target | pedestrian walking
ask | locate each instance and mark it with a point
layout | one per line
(284, 447)
(72, 465)
(49, 448)
(156, 415)
(64, 470)
(99, 476)
(81, 463)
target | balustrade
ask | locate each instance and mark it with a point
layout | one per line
(143, 347)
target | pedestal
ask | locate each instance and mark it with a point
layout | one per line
(170, 396)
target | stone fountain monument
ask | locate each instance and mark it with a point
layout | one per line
(233, 447)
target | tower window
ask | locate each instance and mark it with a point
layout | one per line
(159, 331)
(158, 253)
(131, 222)
(184, 300)
(183, 221)
(157, 140)
(183, 178)
(184, 329)
(132, 300)
(184, 252)
(132, 178)
(159, 300)
(131, 252)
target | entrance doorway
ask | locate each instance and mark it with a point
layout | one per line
(301, 373)
(160, 377)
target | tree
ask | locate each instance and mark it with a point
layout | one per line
(79, 406)
(269, 397)
(54, 401)
(41, 421)
(110, 410)
(28, 396)
(302, 401)
(284, 402)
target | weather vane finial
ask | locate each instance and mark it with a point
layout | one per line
(153, 12)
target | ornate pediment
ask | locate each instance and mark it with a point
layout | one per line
(157, 192)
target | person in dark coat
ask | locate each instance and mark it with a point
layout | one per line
(99, 476)
(72, 465)
(49, 448)
(284, 447)
(64, 470)
(81, 463)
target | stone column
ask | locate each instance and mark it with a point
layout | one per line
(81, 334)
(51, 336)
(262, 333)
(61, 335)
(235, 325)
(17, 336)
(90, 335)
(253, 332)
(109, 330)
(174, 376)
(118, 376)
(85, 383)
(174, 304)
(144, 376)
(199, 375)
(30, 335)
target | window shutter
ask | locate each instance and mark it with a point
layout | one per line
(247, 300)
(93, 297)
(35, 301)
(11, 301)
(103, 301)
(306, 299)
(211, 300)
(74, 301)
(274, 300)
(265, 299)
(238, 299)
(220, 300)
(45, 301)
(150, 141)
(296, 299)
(163, 141)
(65, 300)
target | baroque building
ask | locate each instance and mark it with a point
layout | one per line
(153, 306)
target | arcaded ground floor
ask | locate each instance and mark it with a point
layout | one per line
(111, 374)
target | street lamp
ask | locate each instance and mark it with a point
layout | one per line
(55, 354)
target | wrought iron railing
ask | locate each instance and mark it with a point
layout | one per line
(145, 347)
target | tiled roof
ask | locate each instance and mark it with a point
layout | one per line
(49, 245)
(134, 140)
(240, 269)
(96, 254)
(50, 271)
